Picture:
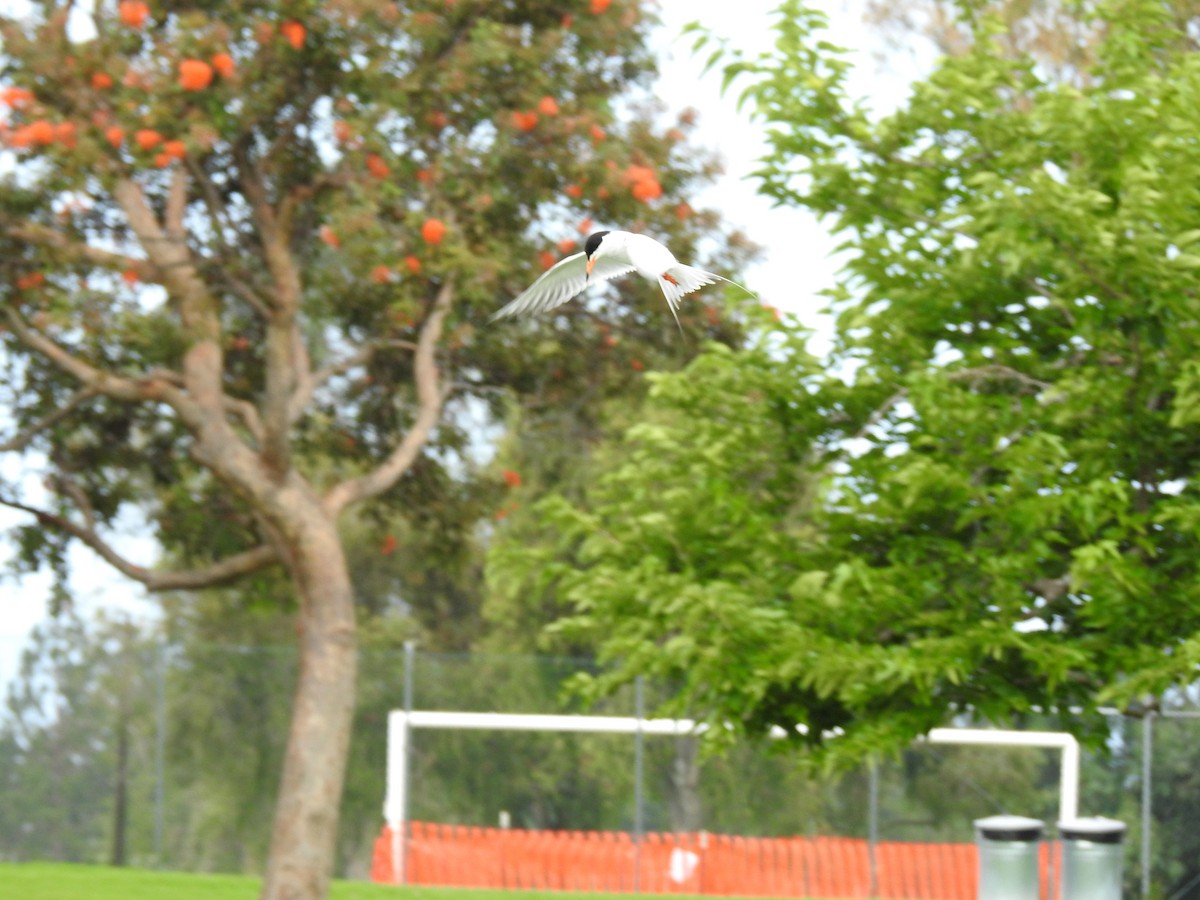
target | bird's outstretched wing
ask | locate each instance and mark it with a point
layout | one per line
(561, 282)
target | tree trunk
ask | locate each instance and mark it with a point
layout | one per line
(304, 837)
(686, 815)
(121, 787)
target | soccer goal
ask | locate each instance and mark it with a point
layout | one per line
(402, 724)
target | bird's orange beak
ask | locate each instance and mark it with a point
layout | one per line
(591, 264)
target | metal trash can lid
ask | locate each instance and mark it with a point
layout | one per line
(1096, 829)
(1009, 828)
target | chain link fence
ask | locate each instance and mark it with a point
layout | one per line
(120, 750)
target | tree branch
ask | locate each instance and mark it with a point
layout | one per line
(313, 380)
(431, 395)
(119, 387)
(996, 372)
(24, 438)
(176, 204)
(212, 575)
(880, 411)
(202, 363)
(32, 233)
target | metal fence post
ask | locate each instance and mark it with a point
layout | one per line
(639, 705)
(160, 753)
(1147, 820)
(410, 652)
(873, 823)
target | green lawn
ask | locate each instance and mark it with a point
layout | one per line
(64, 881)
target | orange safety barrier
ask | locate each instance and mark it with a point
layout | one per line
(830, 868)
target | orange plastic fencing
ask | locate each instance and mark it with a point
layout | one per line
(824, 867)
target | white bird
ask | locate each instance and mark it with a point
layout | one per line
(607, 255)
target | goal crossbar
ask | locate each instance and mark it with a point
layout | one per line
(402, 722)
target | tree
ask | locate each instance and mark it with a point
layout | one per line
(247, 251)
(992, 508)
(77, 744)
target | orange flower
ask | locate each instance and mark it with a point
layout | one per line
(294, 33)
(115, 135)
(64, 133)
(647, 191)
(567, 21)
(566, 245)
(424, 176)
(433, 231)
(637, 365)
(511, 478)
(683, 211)
(40, 132)
(133, 12)
(548, 106)
(376, 166)
(573, 191)
(162, 160)
(643, 182)
(32, 280)
(412, 264)
(388, 547)
(598, 134)
(381, 274)
(633, 174)
(175, 149)
(438, 119)
(147, 138)
(195, 74)
(101, 81)
(224, 64)
(342, 131)
(130, 277)
(547, 259)
(599, 6)
(329, 237)
(585, 227)
(16, 97)
(525, 121)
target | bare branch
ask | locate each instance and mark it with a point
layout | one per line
(170, 253)
(431, 395)
(273, 232)
(176, 204)
(32, 233)
(309, 384)
(202, 363)
(996, 372)
(23, 439)
(880, 411)
(117, 386)
(217, 573)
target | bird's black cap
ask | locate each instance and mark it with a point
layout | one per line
(593, 241)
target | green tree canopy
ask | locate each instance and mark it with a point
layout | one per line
(989, 503)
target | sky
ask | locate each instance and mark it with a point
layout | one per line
(797, 259)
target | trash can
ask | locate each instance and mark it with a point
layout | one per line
(1092, 854)
(1008, 857)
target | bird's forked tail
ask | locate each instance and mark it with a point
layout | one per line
(680, 280)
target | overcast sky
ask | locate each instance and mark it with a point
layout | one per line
(796, 262)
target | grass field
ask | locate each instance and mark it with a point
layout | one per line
(64, 881)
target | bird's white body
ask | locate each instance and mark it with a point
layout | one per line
(611, 254)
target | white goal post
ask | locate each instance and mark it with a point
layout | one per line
(401, 724)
